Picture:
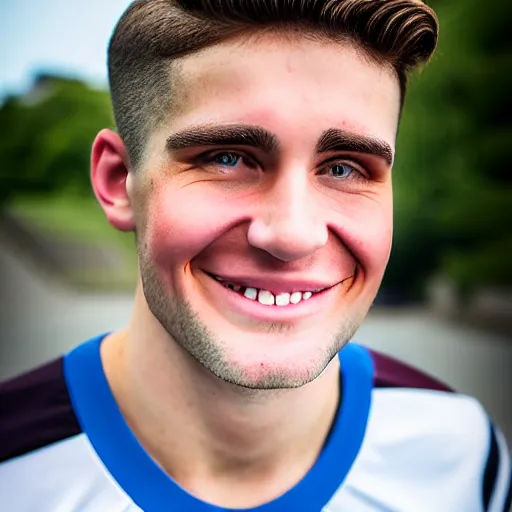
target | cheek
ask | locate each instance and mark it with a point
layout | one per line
(181, 222)
(366, 229)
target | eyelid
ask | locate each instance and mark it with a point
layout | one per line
(352, 162)
(208, 156)
(215, 152)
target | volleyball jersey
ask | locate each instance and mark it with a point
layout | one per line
(401, 442)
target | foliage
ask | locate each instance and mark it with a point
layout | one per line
(47, 137)
(452, 181)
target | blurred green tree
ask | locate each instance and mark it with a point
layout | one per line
(47, 137)
(453, 187)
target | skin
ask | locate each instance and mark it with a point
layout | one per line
(233, 402)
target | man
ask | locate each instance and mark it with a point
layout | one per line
(253, 162)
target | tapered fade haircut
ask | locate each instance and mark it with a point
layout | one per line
(152, 34)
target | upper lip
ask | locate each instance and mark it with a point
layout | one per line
(276, 284)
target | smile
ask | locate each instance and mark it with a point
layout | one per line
(266, 297)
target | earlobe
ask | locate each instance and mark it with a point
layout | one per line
(109, 177)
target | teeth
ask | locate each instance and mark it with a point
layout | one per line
(296, 297)
(251, 293)
(283, 299)
(266, 298)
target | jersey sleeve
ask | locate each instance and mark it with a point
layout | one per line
(460, 425)
(497, 477)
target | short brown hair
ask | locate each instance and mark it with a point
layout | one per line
(151, 34)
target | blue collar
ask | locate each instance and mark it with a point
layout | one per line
(153, 490)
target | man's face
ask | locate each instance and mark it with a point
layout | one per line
(265, 207)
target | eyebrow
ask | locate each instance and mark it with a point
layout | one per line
(340, 140)
(258, 137)
(230, 135)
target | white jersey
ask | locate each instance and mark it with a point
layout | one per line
(401, 442)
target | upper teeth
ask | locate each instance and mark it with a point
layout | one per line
(268, 298)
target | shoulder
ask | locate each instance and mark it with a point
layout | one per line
(46, 461)
(429, 434)
(36, 411)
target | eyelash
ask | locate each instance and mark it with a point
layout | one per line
(209, 159)
(358, 174)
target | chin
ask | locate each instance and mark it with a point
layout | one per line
(268, 376)
(252, 351)
(272, 362)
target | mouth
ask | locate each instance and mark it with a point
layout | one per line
(267, 297)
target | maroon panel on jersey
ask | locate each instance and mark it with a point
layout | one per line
(391, 373)
(35, 411)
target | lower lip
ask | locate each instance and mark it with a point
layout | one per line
(252, 308)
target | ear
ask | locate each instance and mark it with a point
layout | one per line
(110, 179)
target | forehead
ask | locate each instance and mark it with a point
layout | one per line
(290, 84)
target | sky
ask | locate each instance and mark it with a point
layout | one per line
(65, 36)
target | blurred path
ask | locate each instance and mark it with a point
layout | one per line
(40, 320)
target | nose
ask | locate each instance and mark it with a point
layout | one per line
(288, 224)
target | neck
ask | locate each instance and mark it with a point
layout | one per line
(210, 435)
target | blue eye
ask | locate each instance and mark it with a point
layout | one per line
(341, 171)
(227, 159)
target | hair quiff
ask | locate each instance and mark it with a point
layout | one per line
(151, 34)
